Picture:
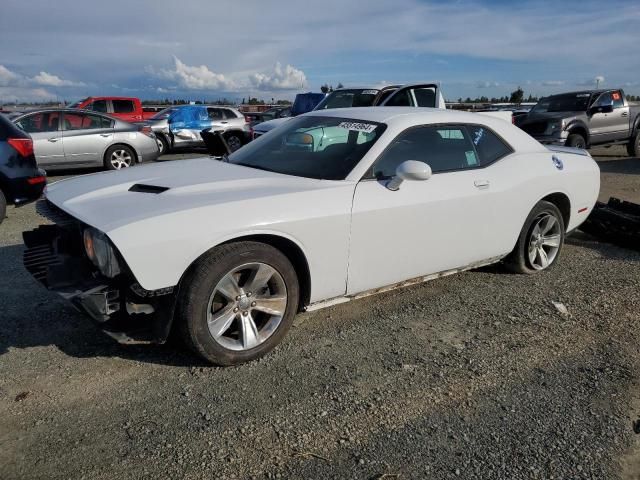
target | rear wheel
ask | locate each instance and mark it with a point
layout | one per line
(238, 302)
(3, 206)
(633, 147)
(119, 157)
(540, 241)
(576, 140)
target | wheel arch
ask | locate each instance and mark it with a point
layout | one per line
(287, 246)
(579, 128)
(121, 144)
(562, 201)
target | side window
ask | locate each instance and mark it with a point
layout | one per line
(425, 97)
(384, 95)
(400, 99)
(122, 106)
(74, 121)
(98, 106)
(228, 114)
(95, 122)
(604, 99)
(442, 147)
(489, 146)
(618, 102)
(40, 122)
(215, 113)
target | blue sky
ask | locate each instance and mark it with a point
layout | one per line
(205, 49)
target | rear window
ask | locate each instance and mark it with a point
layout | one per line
(349, 98)
(123, 106)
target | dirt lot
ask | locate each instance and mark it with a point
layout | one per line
(472, 376)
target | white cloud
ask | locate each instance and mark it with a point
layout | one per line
(487, 84)
(592, 82)
(7, 77)
(50, 80)
(280, 78)
(193, 77)
(553, 83)
(25, 94)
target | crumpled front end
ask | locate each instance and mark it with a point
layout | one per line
(56, 255)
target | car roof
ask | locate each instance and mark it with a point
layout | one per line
(63, 109)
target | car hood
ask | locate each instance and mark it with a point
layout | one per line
(536, 117)
(110, 200)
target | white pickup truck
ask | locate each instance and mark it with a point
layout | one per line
(427, 94)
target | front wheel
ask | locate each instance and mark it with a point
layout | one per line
(576, 140)
(234, 142)
(633, 147)
(238, 302)
(119, 157)
(540, 241)
(163, 145)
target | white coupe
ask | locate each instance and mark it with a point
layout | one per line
(329, 207)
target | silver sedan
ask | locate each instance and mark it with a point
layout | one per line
(77, 138)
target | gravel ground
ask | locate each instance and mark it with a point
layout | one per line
(476, 375)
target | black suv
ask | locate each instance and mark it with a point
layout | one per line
(20, 179)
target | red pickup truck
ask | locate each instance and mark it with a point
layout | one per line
(128, 109)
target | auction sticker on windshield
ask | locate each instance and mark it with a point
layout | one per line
(358, 127)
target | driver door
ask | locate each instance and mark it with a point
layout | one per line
(449, 221)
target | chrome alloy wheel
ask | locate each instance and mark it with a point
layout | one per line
(544, 241)
(247, 306)
(120, 158)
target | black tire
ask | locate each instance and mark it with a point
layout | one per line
(199, 284)
(234, 141)
(127, 153)
(576, 140)
(518, 260)
(163, 145)
(633, 147)
(3, 206)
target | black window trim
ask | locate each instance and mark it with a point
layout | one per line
(368, 175)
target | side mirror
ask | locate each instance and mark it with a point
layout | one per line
(409, 170)
(608, 108)
(215, 142)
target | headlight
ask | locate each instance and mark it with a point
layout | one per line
(100, 252)
(557, 126)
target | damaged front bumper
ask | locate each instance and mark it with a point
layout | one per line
(54, 255)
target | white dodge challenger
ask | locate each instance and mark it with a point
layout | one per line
(329, 207)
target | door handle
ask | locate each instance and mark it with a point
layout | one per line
(105, 135)
(625, 114)
(224, 122)
(53, 140)
(481, 183)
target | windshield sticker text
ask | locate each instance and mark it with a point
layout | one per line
(369, 92)
(358, 127)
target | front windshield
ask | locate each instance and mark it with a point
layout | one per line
(162, 114)
(567, 102)
(312, 147)
(355, 97)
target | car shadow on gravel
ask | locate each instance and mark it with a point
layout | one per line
(605, 249)
(626, 166)
(31, 316)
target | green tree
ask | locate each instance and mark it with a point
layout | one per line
(340, 85)
(324, 88)
(517, 96)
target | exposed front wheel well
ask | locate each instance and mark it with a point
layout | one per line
(563, 203)
(578, 130)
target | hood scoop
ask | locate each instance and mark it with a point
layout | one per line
(142, 188)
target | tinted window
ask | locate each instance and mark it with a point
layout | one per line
(348, 98)
(312, 147)
(400, 99)
(215, 113)
(123, 106)
(442, 147)
(489, 146)
(229, 114)
(604, 99)
(98, 106)
(425, 97)
(566, 102)
(40, 122)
